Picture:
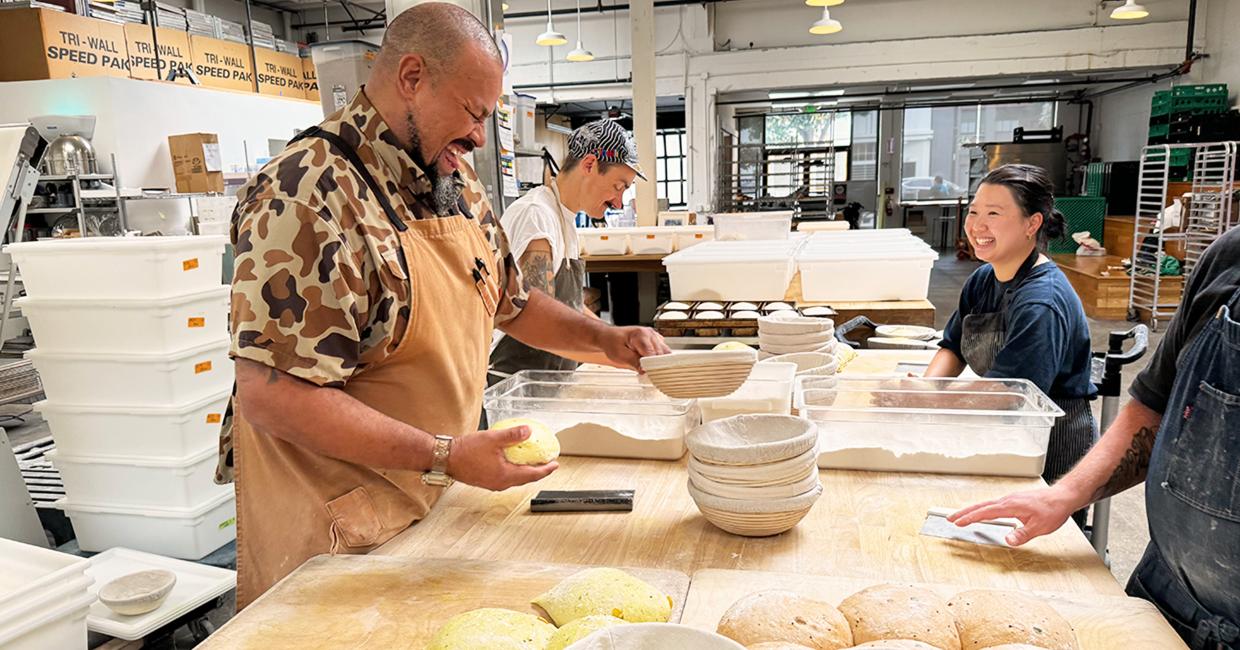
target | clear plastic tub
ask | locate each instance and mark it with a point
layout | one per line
(603, 241)
(137, 482)
(117, 431)
(186, 533)
(128, 325)
(119, 267)
(747, 226)
(651, 241)
(690, 236)
(597, 413)
(730, 271)
(132, 378)
(954, 426)
(768, 390)
(858, 272)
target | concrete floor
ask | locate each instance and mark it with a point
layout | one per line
(1128, 533)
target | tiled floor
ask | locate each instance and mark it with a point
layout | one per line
(1128, 532)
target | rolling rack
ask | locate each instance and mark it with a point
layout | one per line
(1207, 216)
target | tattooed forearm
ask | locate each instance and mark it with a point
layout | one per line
(1132, 467)
(539, 273)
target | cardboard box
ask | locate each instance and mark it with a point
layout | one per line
(45, 44)
(174, 51)
(279, 74)
(311, 79)
(196, 162)
(222, 64)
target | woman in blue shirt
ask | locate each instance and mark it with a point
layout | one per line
(1018, 316)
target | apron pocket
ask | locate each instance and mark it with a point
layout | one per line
(355, 522)
(1205, 458)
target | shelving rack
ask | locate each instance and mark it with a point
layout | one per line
(1208, 215)
(759, 177)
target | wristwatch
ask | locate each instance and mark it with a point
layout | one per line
(438, 474)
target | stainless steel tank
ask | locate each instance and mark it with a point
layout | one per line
(70, 154)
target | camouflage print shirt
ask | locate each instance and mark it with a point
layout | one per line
(320, 289)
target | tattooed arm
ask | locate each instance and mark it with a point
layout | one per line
(1118, 462)
(538, 266)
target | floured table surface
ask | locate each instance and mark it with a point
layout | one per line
(1100, 622)
(359, 602)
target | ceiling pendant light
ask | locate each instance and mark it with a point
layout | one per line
(579, 53)
(1130, 10)
(551, 38)
(826, 24)
(824, 3)
(504, 6)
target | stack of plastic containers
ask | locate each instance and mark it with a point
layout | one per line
(44, 598)
(132, 347)
(867, 265)
(733, 270)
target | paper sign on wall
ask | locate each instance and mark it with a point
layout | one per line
(82, 47)
(211, 157)
(311, 79)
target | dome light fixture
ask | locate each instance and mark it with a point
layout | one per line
(551, 38)
(1130, 10)
(579, 54)
(826, 24)
(824, 3)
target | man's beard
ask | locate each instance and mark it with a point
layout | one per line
(446, 190)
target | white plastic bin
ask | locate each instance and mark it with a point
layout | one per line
(119, 267)
(167, 432)
(752, 225)
(730, 271)
(603, 241)
(186, 533)
(128, 324)
(690, 236)
(767, 390)
(854, 273)
(134, 379)
(139, 482)
(62, 627)
(216, 209)
(652, 241)
(213, 228)
(27, 572)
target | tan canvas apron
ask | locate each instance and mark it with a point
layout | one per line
(292, 503)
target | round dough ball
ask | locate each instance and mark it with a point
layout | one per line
(673, 315)
(580, 629)
(677, 306)
(729, 346)
(777, 306)
(604, 591)
(540, 448)
(901, 612)
(709, 306)
(500, 629)
(785, 616)
(1015, 646)
(776, 645)
(817, 311)
(895, 644)
(746, 314)
(709, 315)
(988, 618)
(743, 306)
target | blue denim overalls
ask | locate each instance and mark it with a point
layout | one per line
(1191, 568)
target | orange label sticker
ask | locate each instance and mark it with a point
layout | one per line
(649, 236)
(605, 237)
(214, 418)
(197, 322)
(698, 235)
(200, 368)
(189, 265)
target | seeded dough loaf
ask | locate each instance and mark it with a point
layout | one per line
(785, 616)
(901, 612)
(776, 645)
(987, 619)
(1015, 646)
(894, 644)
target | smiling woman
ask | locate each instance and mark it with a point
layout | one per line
(1018, 315)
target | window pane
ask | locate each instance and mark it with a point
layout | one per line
(841, 166)
(673, 169)
(675, 194)
(659, 146)
(662, 193)
(662, 170)
(674, 142)
(864, 148)
(999, 120)
(935, 164)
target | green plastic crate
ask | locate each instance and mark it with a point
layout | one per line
(1080, 213)
(1159, 130)
(1199, 90)
(1093, 178)
(1181, 157)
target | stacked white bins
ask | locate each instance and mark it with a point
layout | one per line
(867, 265)
(732, 270)
(44, 598)
(132, 347)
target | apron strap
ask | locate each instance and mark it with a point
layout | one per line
(350, 153)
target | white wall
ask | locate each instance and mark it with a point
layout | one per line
(136, 117)
(1222, 42)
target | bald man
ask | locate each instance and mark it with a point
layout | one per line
(370, 273)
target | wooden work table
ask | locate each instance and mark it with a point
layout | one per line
(864, 526)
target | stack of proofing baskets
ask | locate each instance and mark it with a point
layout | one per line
(132, 347)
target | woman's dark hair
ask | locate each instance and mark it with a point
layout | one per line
(1032, 188)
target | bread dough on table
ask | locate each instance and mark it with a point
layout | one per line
(743, 306)
(785, 616)
(894, 644)
(540, 448)
(710, 314)
(901, 612)
(673, 315)
(497, 629)
(987, 618)
(776, 645)
(701, 306)
(677, 306)
(605, 591)
(580, 629)
(745, 314)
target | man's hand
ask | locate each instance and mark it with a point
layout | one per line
(478, 459)
(1041, 511)
(626, 346)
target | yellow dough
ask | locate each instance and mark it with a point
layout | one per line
(731, 345)
(786, 616)
(540, 448)
(580, 629)
(603, 591)
(993, 618)
(901, 612)
(496, 629)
